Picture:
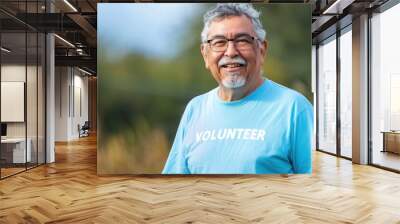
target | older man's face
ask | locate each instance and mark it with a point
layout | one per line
(231, 75)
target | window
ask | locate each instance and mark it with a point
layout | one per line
(385, 88)
(327, 96)
(346, 93)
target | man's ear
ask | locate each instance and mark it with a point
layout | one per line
(264, 48)
(204, 53)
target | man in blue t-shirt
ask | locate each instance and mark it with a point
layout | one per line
(248, 124)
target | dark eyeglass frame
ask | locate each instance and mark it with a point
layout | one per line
(234, 40)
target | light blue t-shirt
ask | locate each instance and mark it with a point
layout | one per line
(267, 132)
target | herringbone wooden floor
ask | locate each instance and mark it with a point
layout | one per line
(69, 191)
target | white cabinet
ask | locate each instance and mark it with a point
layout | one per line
(18, 149)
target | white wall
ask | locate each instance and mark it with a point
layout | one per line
(12, 73)
(62, 81)
(71, 94)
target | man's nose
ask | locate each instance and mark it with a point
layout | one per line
(231, 50)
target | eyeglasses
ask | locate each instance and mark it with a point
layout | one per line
(241, 43)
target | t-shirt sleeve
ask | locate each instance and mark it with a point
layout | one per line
(301, 154)
(177, 159)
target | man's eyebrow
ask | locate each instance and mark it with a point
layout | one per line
(217, 36)
(241, 34)
(222, 36)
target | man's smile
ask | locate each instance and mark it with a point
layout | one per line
(232, 65)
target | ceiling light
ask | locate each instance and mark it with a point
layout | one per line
(337, 7)
(5, 49)
(79, 51)
(64, 40)
(71, 6)
(84, 71)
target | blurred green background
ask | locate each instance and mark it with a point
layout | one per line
(150, 66)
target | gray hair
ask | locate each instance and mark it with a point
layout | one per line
(223, 10)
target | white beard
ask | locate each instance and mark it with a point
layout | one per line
(233, 81)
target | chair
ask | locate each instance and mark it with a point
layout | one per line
(84, 130)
